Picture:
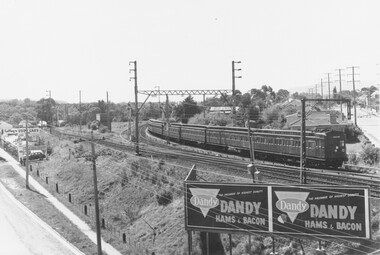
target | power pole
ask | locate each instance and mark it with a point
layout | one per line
(316, 90)
(57, 116)
(50, 110)
(204, 106)
(340, 91)
(354, 91)
(233, 84)
(322, 87)
(328, 83)
(134, 77)
(167, 117)
(80, 111)
(27, 155)
(251, 148)
(108, 115)
(303, 143)
(129, 121)
(98, 233)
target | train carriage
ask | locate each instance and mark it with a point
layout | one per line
(322, 148)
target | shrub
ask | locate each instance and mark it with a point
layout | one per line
(353, 159)
(165, 197)
(370, 155)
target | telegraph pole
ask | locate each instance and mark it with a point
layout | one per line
(50, 110)
(233, 84)
(27, 155)
(108, 115)
(353, 87)
(328, 83)
(80, 111)
(340, 90)
(98, 233)
(303, 143)
(316, 90)
(322, 87)
(134, 77)
(167, 117)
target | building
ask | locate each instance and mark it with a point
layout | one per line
(318, 120)
(5, 125)
(222, 109)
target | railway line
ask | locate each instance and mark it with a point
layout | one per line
(235, 165)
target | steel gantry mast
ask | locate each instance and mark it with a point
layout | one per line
(167, 93)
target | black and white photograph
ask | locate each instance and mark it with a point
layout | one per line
(178, 127)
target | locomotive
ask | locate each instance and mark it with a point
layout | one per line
(323, 149)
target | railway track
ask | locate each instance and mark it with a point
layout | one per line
(270, 171)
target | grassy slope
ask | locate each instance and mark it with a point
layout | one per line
(128, 200)
(44, 210)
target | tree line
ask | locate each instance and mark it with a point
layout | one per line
(263, 106)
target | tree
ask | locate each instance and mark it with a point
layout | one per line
(45, 109)
(16, 118)
(335, 93)
(102, 106)
(272, 114)
(282, 96)
(258, 94)
(187, 109)
(92, 113)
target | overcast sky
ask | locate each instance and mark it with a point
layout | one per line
(72, 45)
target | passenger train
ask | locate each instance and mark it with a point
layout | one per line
(323, 149)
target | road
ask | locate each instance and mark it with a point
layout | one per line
(23, 233)
(83, 226)
(369, 124)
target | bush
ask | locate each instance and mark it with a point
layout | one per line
(370, 154)
(164, 198)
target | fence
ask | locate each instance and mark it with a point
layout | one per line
(85, 209)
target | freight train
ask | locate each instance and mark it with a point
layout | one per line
(323, 149)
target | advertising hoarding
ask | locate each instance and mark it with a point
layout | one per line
(321, 211)
(294, 210)
(227, 207)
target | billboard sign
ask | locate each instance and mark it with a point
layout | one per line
(18, 131)
(294, 210)
(321, 211)
(226, 207)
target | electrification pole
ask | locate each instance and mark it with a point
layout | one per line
(353, 87)
(316, 90)
(328, 83)
(233, 84)
(251, 149)
(340, 91)
(134, 77)
(27, 155)
(167, 118)
(80, 111)
(108, 115)
(50, 110)
(98, 233)
(322, 87)
(303, 143)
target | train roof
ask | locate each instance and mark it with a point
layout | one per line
(254, 130)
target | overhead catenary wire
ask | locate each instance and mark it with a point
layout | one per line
(254, 229)
(143, 174)
(98, 144)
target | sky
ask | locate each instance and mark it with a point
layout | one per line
(75, 45)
